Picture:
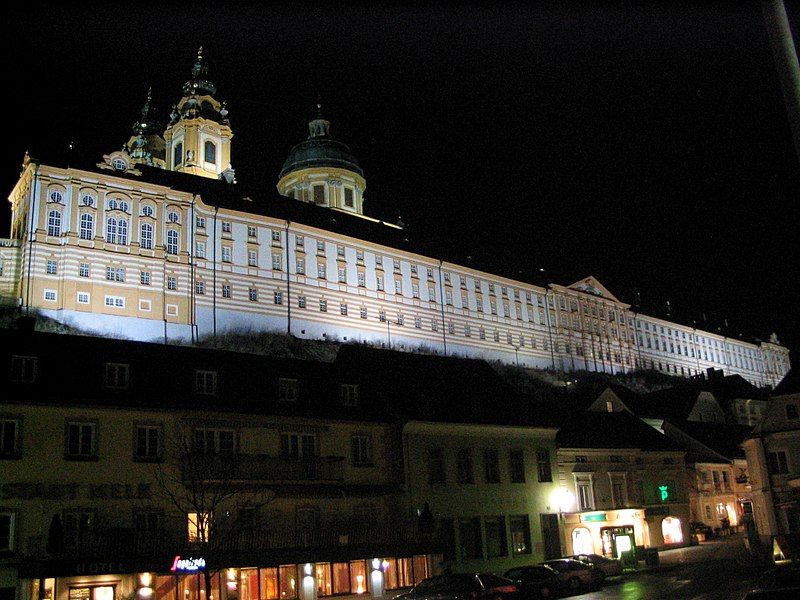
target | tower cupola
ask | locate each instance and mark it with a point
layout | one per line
(145, 146)
(322, 170)
(198, 137)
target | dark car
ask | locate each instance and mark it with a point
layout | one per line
(780, 577)
(575, 575)
(538, 581)
(609, 566)
(777, 594)
(463, 586)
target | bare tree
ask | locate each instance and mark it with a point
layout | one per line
(209, 484)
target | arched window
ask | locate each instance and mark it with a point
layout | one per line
(54, 223)
(172, 242)
(177, 155)
(671, 530)
(119, 164)
(147, 211)
(56, 196)
(112, 204)
(146, 237)
(122, 231)
(87, 226)
(173, 217)
(582, 541)
(111, 230)
(210, 152)
(87, 200)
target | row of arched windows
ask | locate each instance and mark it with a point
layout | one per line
(116, 231)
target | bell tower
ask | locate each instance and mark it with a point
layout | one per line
(198, 137)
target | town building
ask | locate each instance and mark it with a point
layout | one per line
(158, 241)
(134, 469)
(773, 459)
(622, 485)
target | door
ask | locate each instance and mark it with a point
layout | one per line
(550, 535)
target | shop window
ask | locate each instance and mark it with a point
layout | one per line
(358, 577)
(582, 541)
(420, 568)
(471, 543)
(496, 544)
(671, 530)
(324, 579)
(520, 535)
(100, 592)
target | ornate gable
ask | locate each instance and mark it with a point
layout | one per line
(590, 285)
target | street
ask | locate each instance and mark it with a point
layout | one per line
(714, 570)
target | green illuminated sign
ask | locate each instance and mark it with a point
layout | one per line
(664, 489)
(593, 518)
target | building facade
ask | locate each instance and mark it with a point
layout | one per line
(133, 470)
(159, 241)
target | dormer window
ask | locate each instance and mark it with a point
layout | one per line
(119, 164)
(348, 394)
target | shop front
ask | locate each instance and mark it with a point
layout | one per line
(192, 578)
(608, 532)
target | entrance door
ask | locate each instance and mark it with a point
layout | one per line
(550, 535)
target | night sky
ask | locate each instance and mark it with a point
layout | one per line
(647, 145)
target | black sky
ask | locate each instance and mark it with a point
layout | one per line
(645, 144)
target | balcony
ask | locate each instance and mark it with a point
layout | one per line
(262, 468)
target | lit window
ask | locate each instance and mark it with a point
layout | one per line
(198, 527)
(87, 226)
(146, 236)
(54, 223)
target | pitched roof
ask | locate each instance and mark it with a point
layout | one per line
(611, 430)
(721, 438)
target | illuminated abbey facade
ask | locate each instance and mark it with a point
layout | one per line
(158, 241)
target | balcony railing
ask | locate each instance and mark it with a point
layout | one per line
(124, 542)
(260, 467)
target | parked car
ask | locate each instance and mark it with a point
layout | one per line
(575, 575)
(538, 581)
(463, 586)
(780, 577)
(609, 566)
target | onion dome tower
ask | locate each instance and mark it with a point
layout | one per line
(146, 144)
(322, 170)
(198, 137)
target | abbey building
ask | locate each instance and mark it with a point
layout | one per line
(158, 241)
